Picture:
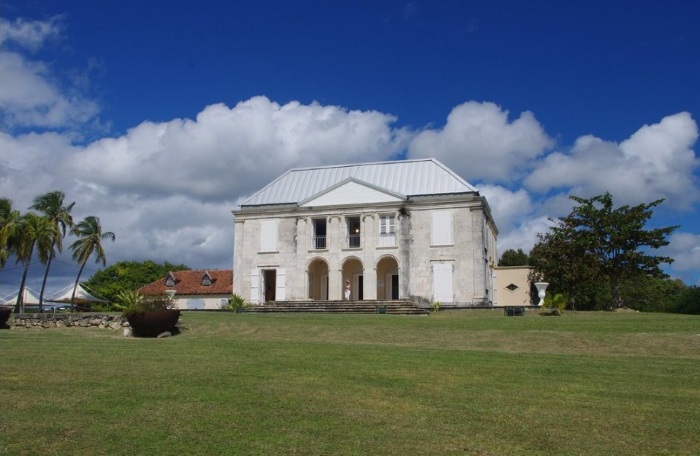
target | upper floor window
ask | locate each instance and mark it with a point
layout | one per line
(319, 236)
(206, 279)
(441, 228)
(268, 235)
(353, 228)
(387, 230)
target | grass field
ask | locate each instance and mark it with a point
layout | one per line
(455, 382)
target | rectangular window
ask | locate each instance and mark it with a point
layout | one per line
(387, 231)
(352, 225)
(319, 236)
(441, 228)
(268, 235)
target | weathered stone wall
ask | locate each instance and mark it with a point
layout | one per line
(79, 320)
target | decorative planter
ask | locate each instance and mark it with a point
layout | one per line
(5, 313)
(153, 322)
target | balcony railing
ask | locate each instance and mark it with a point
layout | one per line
(319, 242)
(353, 240)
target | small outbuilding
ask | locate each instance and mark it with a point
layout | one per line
(513, 286)
(195, 289)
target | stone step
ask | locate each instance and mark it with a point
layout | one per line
(389, 307)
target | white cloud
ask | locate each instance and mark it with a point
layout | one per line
(30, 35)
(233, 151)
(518, 219)
(524, 236)
(31, 164)
(657, 161)
(480, 143)
(30, 94)
(685, 249)
(166, 189)
(507, 207)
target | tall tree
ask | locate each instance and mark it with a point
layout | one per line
(52, 206)
(33, 231)
(613, 240)
(564, 264)
(9, 221)
(90, 237)
(513, 257)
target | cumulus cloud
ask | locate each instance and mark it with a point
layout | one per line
(507, 206)
(31, 164)
(166, 189)
(685, 249)
(657, 161)
(30, 35)
(232, 151)
(481, 143)
(31, 95)
(517, 217)
(141, 183)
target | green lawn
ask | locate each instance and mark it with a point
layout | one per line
(455, 382)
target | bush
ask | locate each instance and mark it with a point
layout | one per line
(689, 301)
(127, 299)
(555, 302)
(150, 303)
(237, 303)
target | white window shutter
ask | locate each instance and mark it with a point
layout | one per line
(442, 228)
(281, 282)
(255, 286)
(442, 282)
(268, 235)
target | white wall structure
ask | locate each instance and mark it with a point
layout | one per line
(409, 229)
(513, 287)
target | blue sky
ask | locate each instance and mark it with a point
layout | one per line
(144, 111)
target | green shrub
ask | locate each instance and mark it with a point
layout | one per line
(127, 299)
(434, 307)
(688, 302)
(555, 302)
(237, 303)
(149, 303)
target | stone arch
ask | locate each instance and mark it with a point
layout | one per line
(317, 274)
(387, 278)
(353, 271)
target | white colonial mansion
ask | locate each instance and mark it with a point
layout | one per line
(409, 230)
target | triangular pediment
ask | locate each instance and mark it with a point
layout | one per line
(352, 191)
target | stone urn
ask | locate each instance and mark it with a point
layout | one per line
(150, 323)
(5, 312)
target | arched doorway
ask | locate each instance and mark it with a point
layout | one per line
(353, 271)
(387, 278)
(318, 279)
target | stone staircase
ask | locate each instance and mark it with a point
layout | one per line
(358, 307)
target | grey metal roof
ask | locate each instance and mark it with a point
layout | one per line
(407, 177)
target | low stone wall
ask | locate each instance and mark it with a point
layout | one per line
(61, 320)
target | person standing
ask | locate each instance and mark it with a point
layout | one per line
(347, 290)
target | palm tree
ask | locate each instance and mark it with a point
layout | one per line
(9, 219)
(51, 204)
(33, 231)
(90, 237)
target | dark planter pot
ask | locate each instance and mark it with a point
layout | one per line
(154, 322)
(5, 313)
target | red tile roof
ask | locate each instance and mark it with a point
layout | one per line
(190, 283)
